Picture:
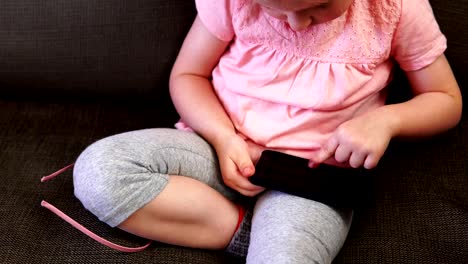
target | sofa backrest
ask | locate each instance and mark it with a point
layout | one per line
(122, 48)
(88, 48)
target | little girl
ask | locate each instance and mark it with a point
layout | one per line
(303, 77)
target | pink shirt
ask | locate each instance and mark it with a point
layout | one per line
(288, 91)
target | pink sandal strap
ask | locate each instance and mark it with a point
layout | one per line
(55, 174)
(81, 228)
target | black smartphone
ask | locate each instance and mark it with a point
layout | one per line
(334, 186)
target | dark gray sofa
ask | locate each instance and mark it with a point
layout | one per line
(72, 72)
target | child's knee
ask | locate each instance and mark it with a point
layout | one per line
(112, 184)
(91, 178)
(296, 230)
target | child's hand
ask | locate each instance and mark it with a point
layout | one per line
(361, 141)
(236, 165)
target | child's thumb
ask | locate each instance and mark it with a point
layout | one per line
(245, 166)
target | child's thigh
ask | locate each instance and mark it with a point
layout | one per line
(119, 174)
(290, 229)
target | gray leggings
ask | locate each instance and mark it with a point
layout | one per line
(118, 175)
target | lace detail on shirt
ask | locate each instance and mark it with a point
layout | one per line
(363, 34)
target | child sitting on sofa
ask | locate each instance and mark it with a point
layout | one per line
(303, 77)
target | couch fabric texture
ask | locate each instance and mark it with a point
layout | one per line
(72, 72)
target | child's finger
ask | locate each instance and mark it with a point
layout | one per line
(370, 162)
(328, 150)
(357, 159)
(247, 188)
(312, 164)
(234, 179)
(342, 153)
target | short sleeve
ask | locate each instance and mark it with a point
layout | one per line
(216, 15)
(418, 41)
